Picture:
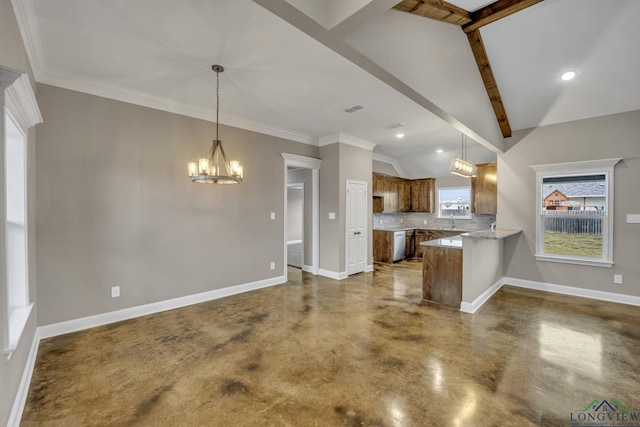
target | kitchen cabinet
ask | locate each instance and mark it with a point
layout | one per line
(390, 194)
(484, 189)
(383, 246)
(426, 235)
(422, 195)
(377, 184)
(404, 195)
(410, 244)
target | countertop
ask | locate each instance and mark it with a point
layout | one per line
(426, 227)
(454, 242)
(500, 233)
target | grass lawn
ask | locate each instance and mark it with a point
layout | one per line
(573, 244)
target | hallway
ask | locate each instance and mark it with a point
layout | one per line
(362, 351)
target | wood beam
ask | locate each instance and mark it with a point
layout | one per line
(480, 54)
(496, 11)
(436, 9)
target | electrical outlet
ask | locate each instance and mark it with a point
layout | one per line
(617, 279)
(115, 291)
(273, 265)
(380, 222)
(273, 216)
(332, 215)
(401, 220)
(425, 222)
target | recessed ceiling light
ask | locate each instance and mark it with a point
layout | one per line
(439, 150)
(568, 75)
(399, 135)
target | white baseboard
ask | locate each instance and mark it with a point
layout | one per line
(308, 269)
(472, 307)
(23, 389)
(368, 268)
(333, 274)
(570, 290)
(74, 325)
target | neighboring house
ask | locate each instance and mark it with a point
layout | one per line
(585, 196)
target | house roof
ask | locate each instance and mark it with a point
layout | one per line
(576, 189)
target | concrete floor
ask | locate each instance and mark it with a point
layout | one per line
(358, 352)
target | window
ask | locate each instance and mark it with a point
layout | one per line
(578, 228)
(454, 201)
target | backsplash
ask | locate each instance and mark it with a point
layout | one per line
(414, 219)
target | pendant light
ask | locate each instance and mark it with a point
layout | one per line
(215, 169)
(460, 166)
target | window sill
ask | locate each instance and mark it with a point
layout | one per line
(578, 261)
(17, 322)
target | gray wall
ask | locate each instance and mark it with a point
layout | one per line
(13, 54)
(295, 213)
(305, 176)
(117, 208)
(341, 162)
(591, 139)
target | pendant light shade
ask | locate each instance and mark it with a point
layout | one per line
(460, 166)
(215, 169)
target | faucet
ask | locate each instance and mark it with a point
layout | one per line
(452, 223)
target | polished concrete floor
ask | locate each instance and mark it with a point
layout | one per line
(360, 352)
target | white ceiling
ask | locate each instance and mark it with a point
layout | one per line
(292, 83)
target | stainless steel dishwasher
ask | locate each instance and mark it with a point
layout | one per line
(399, 245)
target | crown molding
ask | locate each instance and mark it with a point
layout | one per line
(301, 161)
(345, 138)
(26, 16)
(21, 99)
(8, 76)
(393, 162)
(105, 90)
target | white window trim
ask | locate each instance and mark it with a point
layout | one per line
(17, 100)
(457, 187)
(590, 167)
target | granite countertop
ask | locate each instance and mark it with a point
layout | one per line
(426, 227)
(498, 234)
(454, 242)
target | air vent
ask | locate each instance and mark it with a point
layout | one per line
(395, 126)
(353, 109)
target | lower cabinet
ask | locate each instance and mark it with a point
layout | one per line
(383, 246)
(426, 235)
(410, 244)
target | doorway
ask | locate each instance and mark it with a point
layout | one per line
(356, 219)
(295, 223)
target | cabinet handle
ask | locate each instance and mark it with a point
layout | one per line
(356, 232)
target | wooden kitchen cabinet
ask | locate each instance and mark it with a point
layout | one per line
(422, 195)
(383, 246)
(377, 184)
(390, 194)
(410, 244)
(426, 235)
(404, 195)
(484, 189)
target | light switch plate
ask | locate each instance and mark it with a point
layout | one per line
(617, 279)
(633, 218)
(273, 216)
(332, 215)
(115, 291)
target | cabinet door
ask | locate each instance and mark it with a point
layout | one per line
(422, 195)
(390, 194)
(377, 185)
(404, 196)
(383, 246)
(410, 244)
(484, 188)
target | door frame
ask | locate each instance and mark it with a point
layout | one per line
(304, 223)
(296, 160)
(346, 227)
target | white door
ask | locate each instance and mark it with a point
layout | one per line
(356, 226)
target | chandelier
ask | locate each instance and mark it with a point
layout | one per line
(460, 166)
(215, 169)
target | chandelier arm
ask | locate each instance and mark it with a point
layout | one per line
(224, 158)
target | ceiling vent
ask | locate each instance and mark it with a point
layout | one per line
(353, 109)
(395, 126)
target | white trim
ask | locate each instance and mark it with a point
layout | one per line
(301, 161)
(74, 325)
(472, 307)
(308, 269)
(23, 388)
(576, 168)
(110, 91)
(345, 138)
(568, 260)
(386, 159)
(570, 290)
(368, 268)
(22, 102)
(8, 76)
(293, 242)
(26, 17)
(332, 274)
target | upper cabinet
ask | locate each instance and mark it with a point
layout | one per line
(402, 195)
(484, 188)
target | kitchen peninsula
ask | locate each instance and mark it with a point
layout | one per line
(458, 270)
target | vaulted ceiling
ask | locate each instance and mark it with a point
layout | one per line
(293, 67)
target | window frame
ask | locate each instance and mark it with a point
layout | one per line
(591, 167)
(457, 187)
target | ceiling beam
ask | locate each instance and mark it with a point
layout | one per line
(480, 54)
(436, 9)
(495, 11)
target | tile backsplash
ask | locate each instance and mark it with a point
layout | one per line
(415, 219)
